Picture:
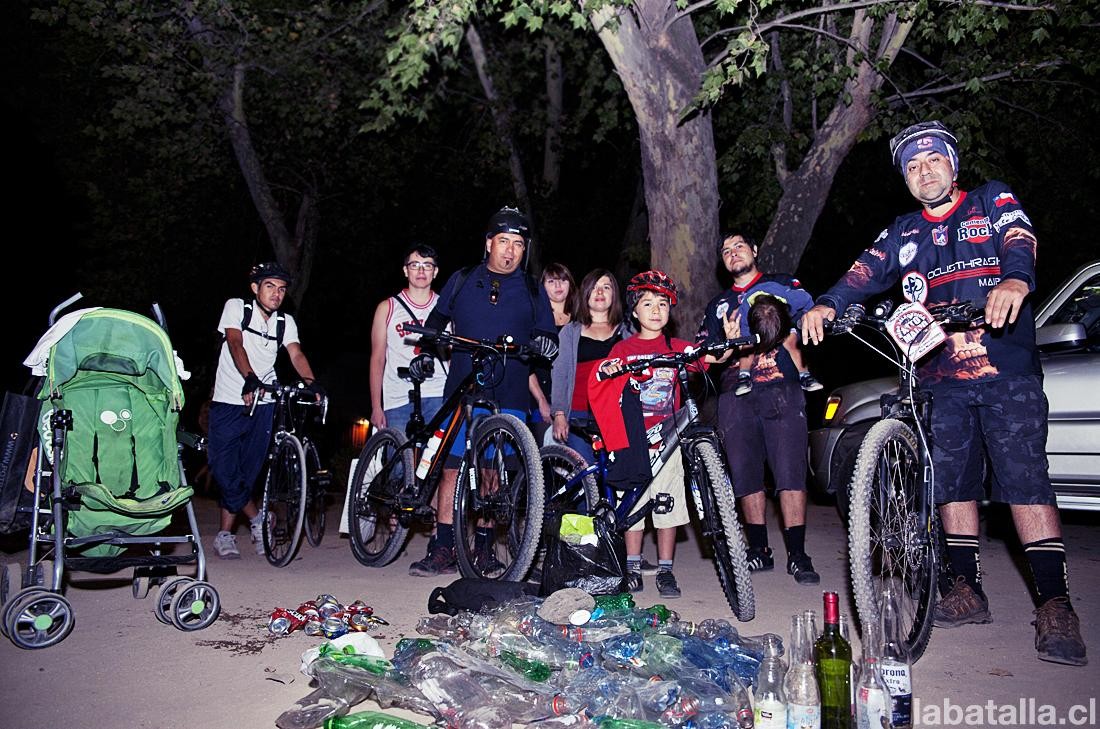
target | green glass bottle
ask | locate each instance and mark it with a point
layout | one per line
(615, 604)
(369, 720)
(833, 663)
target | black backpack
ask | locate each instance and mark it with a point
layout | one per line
(280, 325)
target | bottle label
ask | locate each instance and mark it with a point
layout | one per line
(801, 716)
(770, 714)
(898, 679)
(871, 711)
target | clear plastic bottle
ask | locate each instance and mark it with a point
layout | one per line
(894, 663)
(800, 684)
(429, 452)
(443, 626)
(769, 699)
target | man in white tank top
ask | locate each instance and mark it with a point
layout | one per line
(389, 394)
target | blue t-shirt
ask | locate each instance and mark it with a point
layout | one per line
(959, 256)
(517, 312)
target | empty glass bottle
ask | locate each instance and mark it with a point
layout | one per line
(800, 684)
(769, 699)
(894, 663)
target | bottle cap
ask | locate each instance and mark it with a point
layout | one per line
(580, 617)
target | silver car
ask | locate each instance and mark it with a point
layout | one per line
(1068, 335)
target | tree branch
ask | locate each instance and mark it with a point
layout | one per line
(903, 96)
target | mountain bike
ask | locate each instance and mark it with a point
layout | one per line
(296, 485)
(499, 482)
(574, 485)
(893, 524)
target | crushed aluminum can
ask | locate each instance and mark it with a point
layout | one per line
(358, 607)
(309, 609)
(333, 627)
(360, 622)
(327, 606)
(283, 621)
(313, 628)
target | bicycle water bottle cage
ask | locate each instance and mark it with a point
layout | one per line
(662, 503)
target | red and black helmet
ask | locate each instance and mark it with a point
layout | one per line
(655, 281)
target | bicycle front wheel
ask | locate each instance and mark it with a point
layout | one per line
(721, 526)
(381, 475)
(499, 501)
(316, 496)
(887, 536)
(566, 492)
(284, 500)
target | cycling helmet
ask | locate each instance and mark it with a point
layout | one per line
(508, 220)
(923, 137)
(269, 269)
(656, 281)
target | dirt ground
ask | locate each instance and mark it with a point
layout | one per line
(120, 667)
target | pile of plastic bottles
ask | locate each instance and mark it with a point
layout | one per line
(625, 667)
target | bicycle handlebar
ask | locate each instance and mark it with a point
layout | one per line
(677, 359)
(961, 313)
(505, 344)
(298, 391)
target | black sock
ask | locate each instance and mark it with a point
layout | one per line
(757, 534)
(795, 539)
(445, 536)
(1047, 558)
(962, 555)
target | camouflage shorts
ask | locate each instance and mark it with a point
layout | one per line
(1003, 423)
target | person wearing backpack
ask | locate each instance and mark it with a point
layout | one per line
(497, 297)
(254, 331)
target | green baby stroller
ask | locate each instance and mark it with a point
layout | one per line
(109, 480)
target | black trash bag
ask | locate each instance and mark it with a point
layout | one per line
(598, 569)
(475, 594)
(18, 422)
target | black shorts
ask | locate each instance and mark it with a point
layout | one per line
(766, 425)
(1004, 419)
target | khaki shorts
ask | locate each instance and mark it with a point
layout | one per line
(669, 480)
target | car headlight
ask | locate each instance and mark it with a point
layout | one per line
(832, 406)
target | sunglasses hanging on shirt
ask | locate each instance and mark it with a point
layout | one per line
(494, 292)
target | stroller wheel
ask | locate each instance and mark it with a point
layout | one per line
(38, 619)
(167, 591)
(140, 587)
(195, 606)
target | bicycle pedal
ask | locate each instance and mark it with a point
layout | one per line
(662, 503)
(323, 479)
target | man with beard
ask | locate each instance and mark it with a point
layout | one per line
(495, 298)
(986, 384)
(766, 423)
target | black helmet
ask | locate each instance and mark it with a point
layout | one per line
(508, 220)
(655, 281)
(269, 269)
(935, 133)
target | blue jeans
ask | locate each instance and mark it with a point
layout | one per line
(574, 441)
(399, 417)
(236, 448)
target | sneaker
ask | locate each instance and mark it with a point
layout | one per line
(666, 584)
(225, 546)
(760, 559)
(961, 606)
(1058, 633)
(802, 568)
(634, 582)
(486, 562)
(648, 568)
(256, 529)
(440, 561)
(744, 384)
(808, 382)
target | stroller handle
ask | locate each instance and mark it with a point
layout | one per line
(64, 305)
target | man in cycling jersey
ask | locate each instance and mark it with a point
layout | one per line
(238, 442)
(494, 298)
(986, 382)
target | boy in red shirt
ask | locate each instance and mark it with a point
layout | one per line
(650, 298)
